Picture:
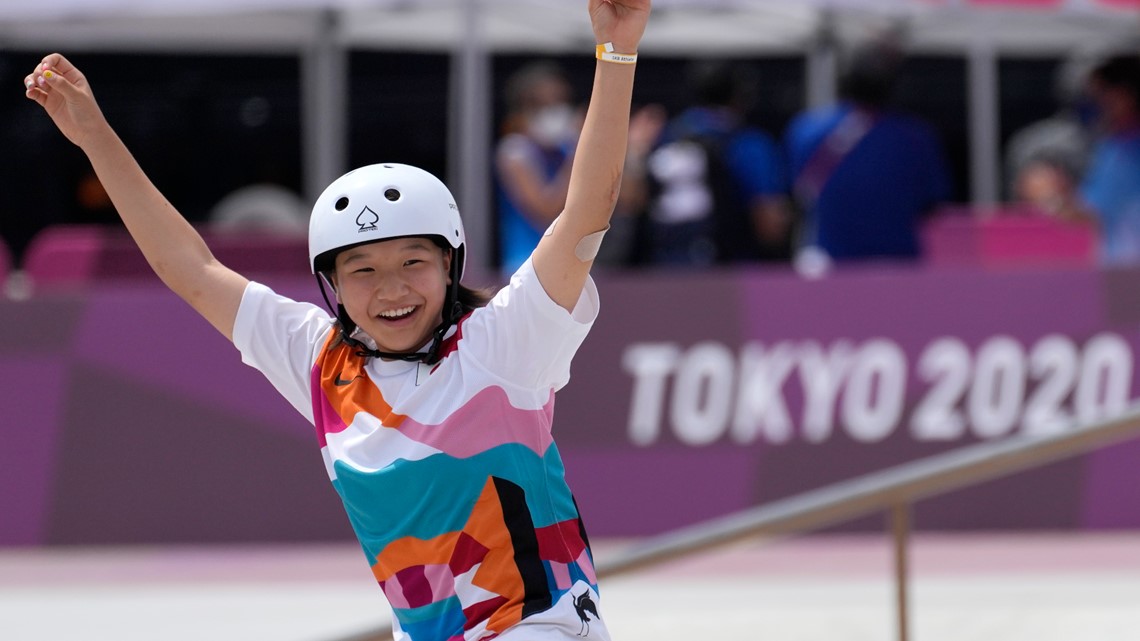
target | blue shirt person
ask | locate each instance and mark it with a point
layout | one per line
(863, 174)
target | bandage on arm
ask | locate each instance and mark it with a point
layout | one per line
(587, 249)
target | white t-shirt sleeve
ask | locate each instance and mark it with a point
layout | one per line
(281, 337)
(525, 338)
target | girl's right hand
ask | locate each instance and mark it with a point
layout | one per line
(63, 92)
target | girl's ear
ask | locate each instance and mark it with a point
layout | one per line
(336, 290)
(447, 265)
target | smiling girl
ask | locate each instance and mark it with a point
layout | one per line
(432, 405)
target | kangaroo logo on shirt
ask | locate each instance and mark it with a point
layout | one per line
(367, 220)
(584, 605)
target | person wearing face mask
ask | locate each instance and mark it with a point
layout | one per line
(533, 158)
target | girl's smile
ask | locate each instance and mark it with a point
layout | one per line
(394, 290)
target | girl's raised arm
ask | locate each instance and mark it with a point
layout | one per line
(564, 256)
(172, 247)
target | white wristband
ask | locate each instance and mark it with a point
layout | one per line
(606, 52)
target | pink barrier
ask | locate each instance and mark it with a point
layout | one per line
(1007, 237)
(64, 255)
(71, 256)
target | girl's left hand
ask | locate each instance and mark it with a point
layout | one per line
(621, 22)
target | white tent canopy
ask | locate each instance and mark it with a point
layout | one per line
(681, 26)
(322, 31)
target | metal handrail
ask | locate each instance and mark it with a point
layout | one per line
(892, 490)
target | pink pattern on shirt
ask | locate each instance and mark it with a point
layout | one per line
(561, 575)
(587, 567)
(325, 418)
(484, 422)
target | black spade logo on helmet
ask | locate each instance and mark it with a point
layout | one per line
(367, 220)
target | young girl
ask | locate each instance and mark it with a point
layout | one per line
(433, 412)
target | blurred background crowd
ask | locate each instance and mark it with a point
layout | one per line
(729, 160)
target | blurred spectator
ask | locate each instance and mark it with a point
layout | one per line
(1111, 188)
(621, 242)
(94, 206)
(863, 174)
(717, 187)
(1046, 160)
(533, 158)
(261, 207)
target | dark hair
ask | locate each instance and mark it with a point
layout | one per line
(868, 77)
(1120, 72)
(520, 86)
(722, 83)
(469, 298)
(472, 298)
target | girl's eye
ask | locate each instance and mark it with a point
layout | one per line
(362, 270)
(414, 261)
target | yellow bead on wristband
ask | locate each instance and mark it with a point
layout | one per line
(606, 52)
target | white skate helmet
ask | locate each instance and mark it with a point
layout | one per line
(381, 202)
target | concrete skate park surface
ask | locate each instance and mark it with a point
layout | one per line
(1040, 587)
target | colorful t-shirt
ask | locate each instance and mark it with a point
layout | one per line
(448, 473)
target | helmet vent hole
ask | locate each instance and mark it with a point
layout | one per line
(392, 195)
(342, 203)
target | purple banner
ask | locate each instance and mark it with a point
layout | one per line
(129, 420)
(808, 383)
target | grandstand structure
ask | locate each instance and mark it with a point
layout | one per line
(321, 32)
